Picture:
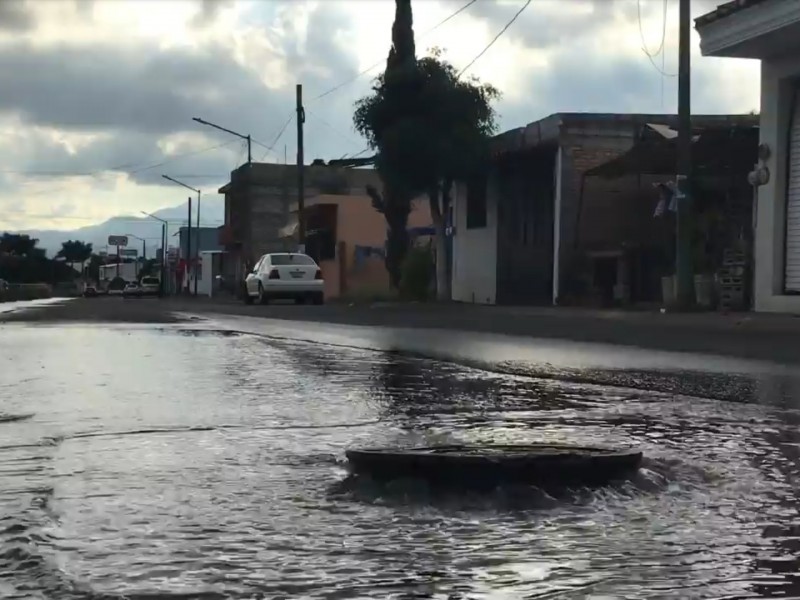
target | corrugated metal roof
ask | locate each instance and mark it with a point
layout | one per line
(723, 10)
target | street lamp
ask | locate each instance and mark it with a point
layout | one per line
(189, 237)
(239, 135)
(141, 239)
(144, 251)
(164, 225)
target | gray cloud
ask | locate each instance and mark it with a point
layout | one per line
(209, 10)
(541, 27)
(15, 16)
(140, 94)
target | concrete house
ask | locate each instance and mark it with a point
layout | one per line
(346, 235)
(769, 30)
(257, 201)
(521, 230)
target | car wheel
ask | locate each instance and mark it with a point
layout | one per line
(319, 298)
(248, 299)
(262, 296)
(299, 300)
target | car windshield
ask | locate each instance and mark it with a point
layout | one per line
(292, 259)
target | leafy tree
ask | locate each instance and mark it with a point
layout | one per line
(379, 118)
(18, 244)
(431, 128)
(74, 251)
(456, 123)
(21, 261)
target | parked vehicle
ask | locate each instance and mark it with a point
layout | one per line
(132, 289)
(150, 286)
(116, 286)
(285, 275)
(90, 291)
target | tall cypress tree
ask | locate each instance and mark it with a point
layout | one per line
(383, 118)
(402, 54)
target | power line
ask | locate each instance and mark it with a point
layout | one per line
(334, 129)
(497, 37)
(661, 49)
(278, 137)
(67, 173)
(382, 61)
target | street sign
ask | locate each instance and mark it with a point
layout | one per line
(118, 240)
(130, 252)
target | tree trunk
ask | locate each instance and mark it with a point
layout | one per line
(438, 215)
(396, 209)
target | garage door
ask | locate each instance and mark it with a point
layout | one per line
(793, 204)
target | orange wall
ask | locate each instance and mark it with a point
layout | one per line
(358, 223)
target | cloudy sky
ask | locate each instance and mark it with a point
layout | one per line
(97, 96)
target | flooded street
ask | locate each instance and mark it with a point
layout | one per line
(205, 460)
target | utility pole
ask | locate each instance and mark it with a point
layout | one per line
(162, 284)
(301, 204)
(197, 233)
(683, 246)
(188, 260)
(197, 244)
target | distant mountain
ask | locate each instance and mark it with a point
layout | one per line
(212, 214)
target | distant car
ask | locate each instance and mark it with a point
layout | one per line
(150, 286)
(285, 275)
(132, 289)
(90, 291)
(116, 287)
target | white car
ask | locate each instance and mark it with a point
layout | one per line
(285, 275)
(132, 289)
(150, 286)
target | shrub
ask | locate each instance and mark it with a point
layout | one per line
(417, 274)
(26, 291)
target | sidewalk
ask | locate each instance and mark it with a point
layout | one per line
(745, 335)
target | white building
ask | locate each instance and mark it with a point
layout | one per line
(769, 30)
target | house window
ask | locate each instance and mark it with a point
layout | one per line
(476, 203)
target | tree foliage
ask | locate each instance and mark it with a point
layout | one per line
(18, 244)
(21, 261)
(394, 202)
(75, 251)
(430, 128)
(435, 127)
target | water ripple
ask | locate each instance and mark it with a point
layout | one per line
(174, 464)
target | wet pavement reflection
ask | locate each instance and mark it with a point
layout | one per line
(180, 462)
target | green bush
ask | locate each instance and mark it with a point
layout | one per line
(417, 274)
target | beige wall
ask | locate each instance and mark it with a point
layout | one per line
(358, 223)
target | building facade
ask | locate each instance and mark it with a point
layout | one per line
(769, 30)
(257, 202)
(346, 235)
(523, 234)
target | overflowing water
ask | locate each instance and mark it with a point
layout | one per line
(142, 462)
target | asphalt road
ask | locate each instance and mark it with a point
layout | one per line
(761, 337)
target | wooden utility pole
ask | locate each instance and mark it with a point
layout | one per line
(188, 260)
(683, 247)
(301, 222)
